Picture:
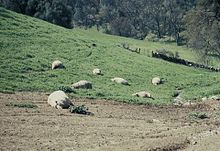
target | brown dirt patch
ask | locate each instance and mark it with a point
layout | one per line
(114, 126)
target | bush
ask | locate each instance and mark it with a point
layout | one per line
(82, 109)
(177, 54)
(152, 37)
(66, 89)
(167, 39)
(22, 105)
(175, 93)
(100, 94)
(165, 52)
(125, 45)
(199, 115)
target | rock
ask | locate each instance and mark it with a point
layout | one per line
(120, 81)
(59, 100)
(156, 81)
(97, 72)
(83, 84)
(176, 93)
(189, 103)
(142, 94)
(204, 99)
(178, 101)
(156, 121)
(57, 65)
(214, 98)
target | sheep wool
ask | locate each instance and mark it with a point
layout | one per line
(97, 71)
(83, 84)
(156, 81)
(142, 94)
(120, 81)
(57, 65)
(59, 100)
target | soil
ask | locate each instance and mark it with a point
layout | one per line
(113, 126)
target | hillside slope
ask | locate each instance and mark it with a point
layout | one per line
(28, 46)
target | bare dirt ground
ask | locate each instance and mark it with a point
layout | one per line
(113, 127)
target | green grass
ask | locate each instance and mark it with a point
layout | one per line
(28, 46)
(199, 115)
(22, 105)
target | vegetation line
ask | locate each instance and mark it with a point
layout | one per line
(183, 62)
(30, 47)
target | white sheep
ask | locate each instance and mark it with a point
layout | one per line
(83, 84)
(120, 81)
(57, 65)
(156, 81)
(59, 100)
(143, 94)
(97, 72)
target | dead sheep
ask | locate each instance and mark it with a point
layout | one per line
(156, 81)
(143, 94)
(59, 100)
(57, 65)
(83, 84)
(120, 81)
(97, 71)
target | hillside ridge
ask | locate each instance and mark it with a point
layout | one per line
(29, 46)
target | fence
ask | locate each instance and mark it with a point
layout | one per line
(183, 62)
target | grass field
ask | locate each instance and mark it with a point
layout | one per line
(28, 46)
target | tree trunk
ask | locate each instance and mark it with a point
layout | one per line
(177, 37)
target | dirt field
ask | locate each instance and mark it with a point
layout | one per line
(113, 127)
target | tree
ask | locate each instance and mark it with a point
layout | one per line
(15, 5)
(203, 27)
(130, 18)
(85, 12)
(55, 11)
(122, 18)
(155, 18)
(175, 12)
(60, 13)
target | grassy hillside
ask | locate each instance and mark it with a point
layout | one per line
(28, 46)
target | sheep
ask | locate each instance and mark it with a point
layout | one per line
(57, 65)
(59, 100)
(156, 81)
(120, 81)
(83, 84)
(97, 72)
(143, 94)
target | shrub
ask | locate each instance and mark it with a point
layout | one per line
(167, 39)
(177, 54)
(66, 89)
(100, 94)
(175, 93)
(82, 109)
(125, 45)
(22, 105)
(199, 115)
(165, 52)
(152, 37)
